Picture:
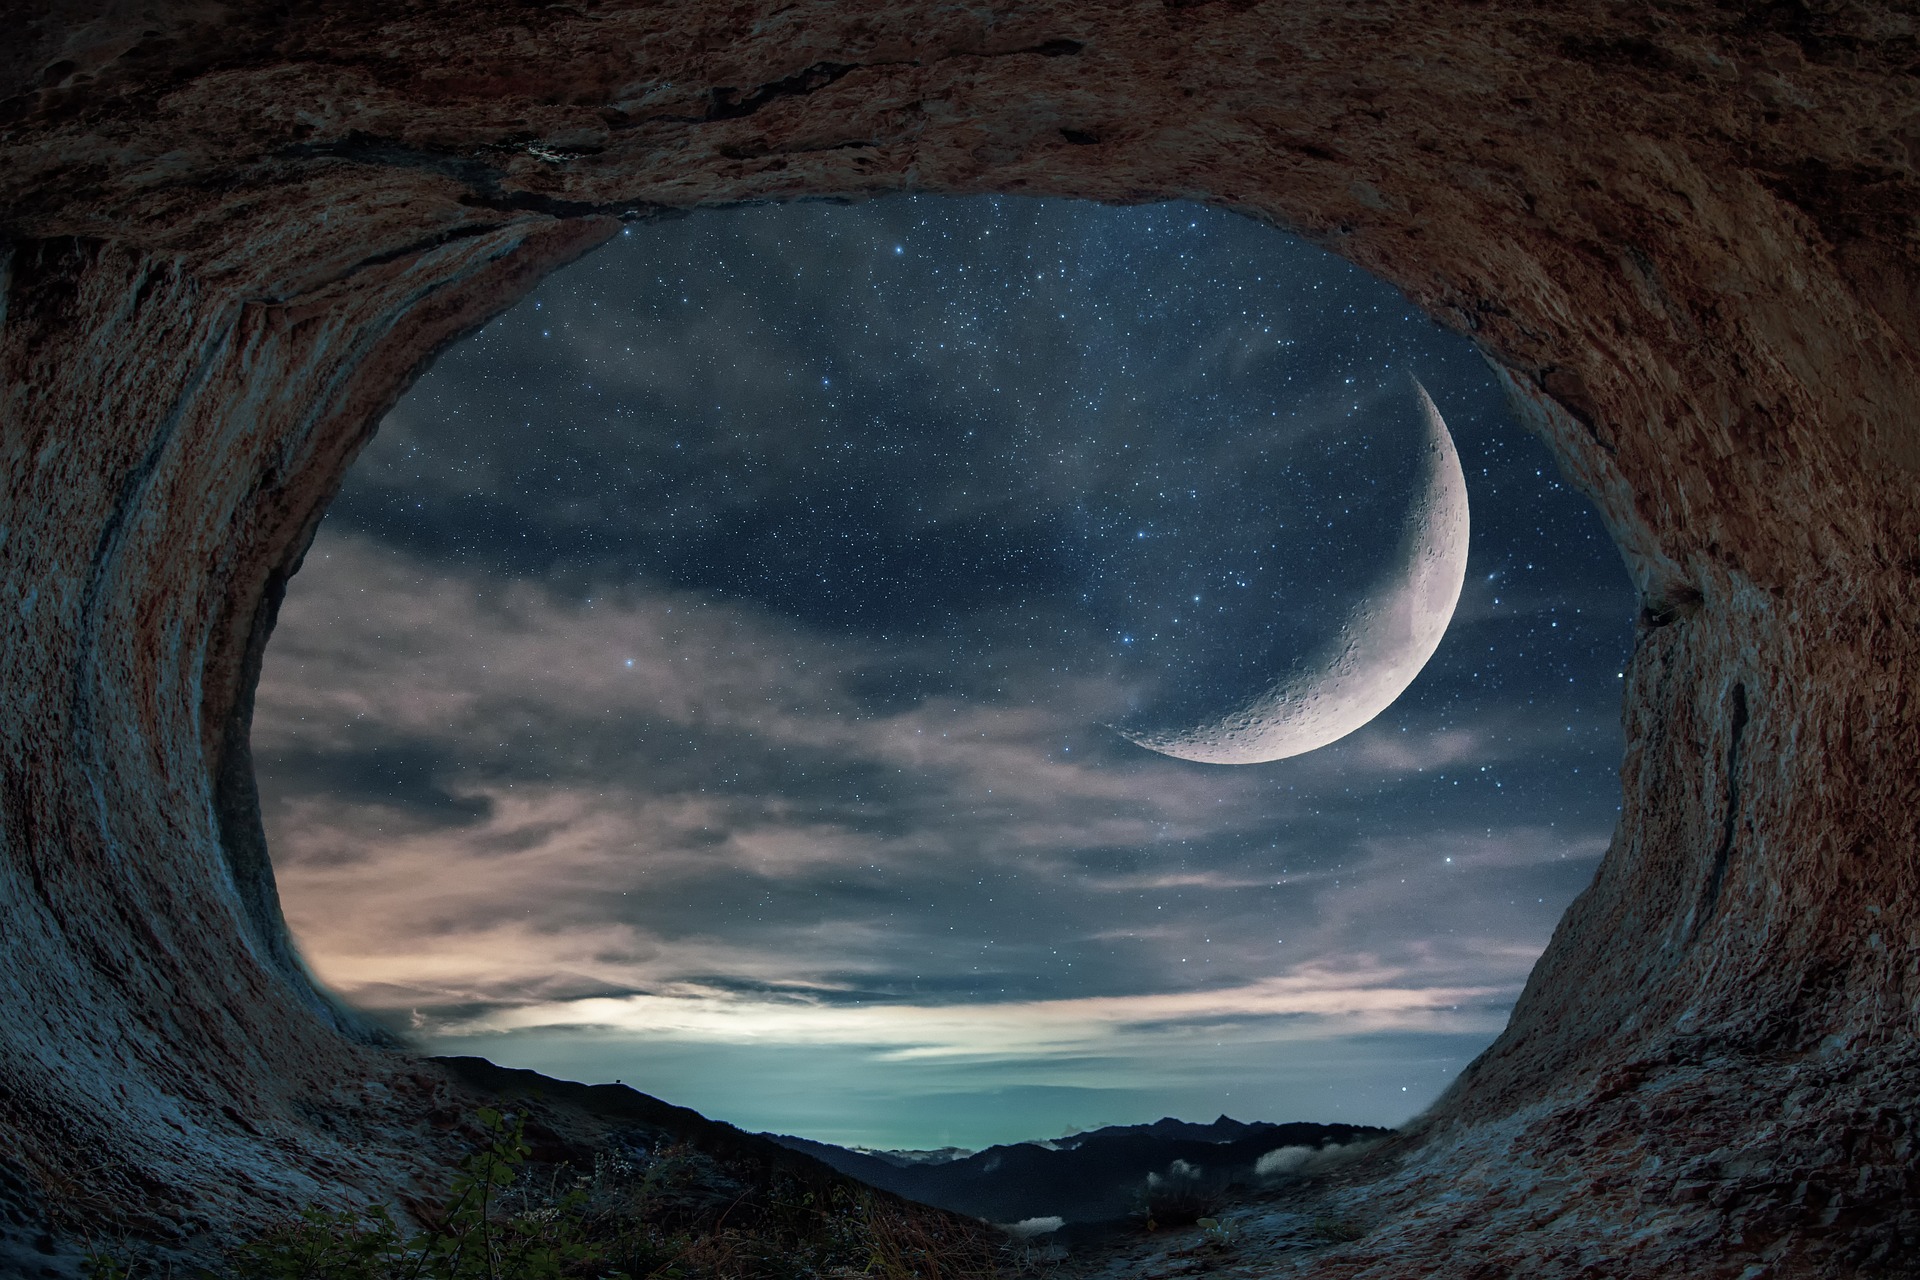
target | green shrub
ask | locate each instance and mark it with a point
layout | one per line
(1180, 1198)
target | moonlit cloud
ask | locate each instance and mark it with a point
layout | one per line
(1314, 1003)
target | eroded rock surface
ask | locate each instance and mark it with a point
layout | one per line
(1686, 232)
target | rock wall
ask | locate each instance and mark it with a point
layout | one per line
(1686, 233)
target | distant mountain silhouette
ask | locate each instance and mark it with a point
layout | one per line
(1089, 1177)
(1225, 1129)
(906, 1159)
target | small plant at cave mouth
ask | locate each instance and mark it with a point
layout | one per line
(1215, 1234)
(1182, 1197)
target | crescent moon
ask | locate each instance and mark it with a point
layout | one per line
(1385, 642)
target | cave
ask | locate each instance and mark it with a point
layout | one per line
(1685, 235)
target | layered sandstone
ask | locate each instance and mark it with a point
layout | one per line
(1685, 232)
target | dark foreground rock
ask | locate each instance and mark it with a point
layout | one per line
(646, 1187)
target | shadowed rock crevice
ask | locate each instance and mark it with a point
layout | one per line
(1736, 727)
(1685, 237)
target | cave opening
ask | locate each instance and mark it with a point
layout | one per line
(231, 240)
(708, 667)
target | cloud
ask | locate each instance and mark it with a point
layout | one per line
(1286, 1160)
(1148, 881)
(482, 813)
(1526, 845)
(375, 643)
(1028, 1228)
(1309, 1002)
(1282, 1160)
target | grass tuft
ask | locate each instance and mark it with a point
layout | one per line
(1181, 1198)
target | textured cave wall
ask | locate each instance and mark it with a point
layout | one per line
(163, 1057)
(1686, 232)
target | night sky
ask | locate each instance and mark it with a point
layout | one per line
(705, 679)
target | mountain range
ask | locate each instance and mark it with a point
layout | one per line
(1101, 1175)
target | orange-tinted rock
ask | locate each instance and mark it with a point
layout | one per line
(1687, 232)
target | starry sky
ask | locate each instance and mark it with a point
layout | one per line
(706, 680)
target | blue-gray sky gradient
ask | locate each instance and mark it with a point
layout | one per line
(703, 681)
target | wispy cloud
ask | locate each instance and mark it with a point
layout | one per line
(724, 809)
(1312, 1002)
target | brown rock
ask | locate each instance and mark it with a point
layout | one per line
(1686, 233)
